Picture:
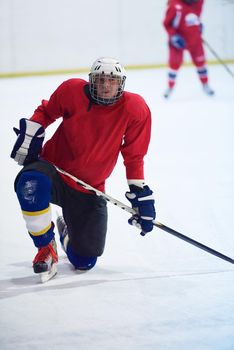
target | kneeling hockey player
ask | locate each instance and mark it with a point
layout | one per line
(99, 120)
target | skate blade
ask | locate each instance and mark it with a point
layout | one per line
(48, 275)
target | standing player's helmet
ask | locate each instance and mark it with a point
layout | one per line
(106, 70)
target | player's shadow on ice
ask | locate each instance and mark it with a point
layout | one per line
(16, 286)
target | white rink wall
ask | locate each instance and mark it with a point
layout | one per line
(48, 35)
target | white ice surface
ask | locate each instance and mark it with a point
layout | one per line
(146, 293)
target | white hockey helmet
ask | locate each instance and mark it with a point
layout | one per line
(106, 66)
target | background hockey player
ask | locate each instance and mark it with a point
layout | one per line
(184, 28)
(99, 120)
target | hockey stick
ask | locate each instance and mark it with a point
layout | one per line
(218, 58)
(156, 223)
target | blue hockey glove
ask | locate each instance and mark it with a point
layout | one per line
(143, 202)
(29, 141)
(177, 41)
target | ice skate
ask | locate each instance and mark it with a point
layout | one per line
(62, 230)
(207, 89)
(44, 263)
(168, 92)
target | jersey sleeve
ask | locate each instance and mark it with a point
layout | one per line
(170, 16)
(48, 111)
(136, 141)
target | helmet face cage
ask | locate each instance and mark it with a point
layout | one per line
(106, 70)
(190, 2)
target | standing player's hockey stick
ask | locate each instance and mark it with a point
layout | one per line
(218, 58)
(156, 223)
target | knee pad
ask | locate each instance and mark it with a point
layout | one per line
(80, 262)
(33, 190)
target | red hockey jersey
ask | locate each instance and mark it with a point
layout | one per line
(90, 137)
(184, 19)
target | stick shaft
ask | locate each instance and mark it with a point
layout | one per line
(156, 223)
(193, 242)
(218, 58)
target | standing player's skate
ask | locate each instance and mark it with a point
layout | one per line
(168, 92)
(207, 89)
(45, 261)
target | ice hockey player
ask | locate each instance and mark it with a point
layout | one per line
(184, 29)
(99, 121)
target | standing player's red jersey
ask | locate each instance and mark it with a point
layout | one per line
(184, 19)
(88, 141)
